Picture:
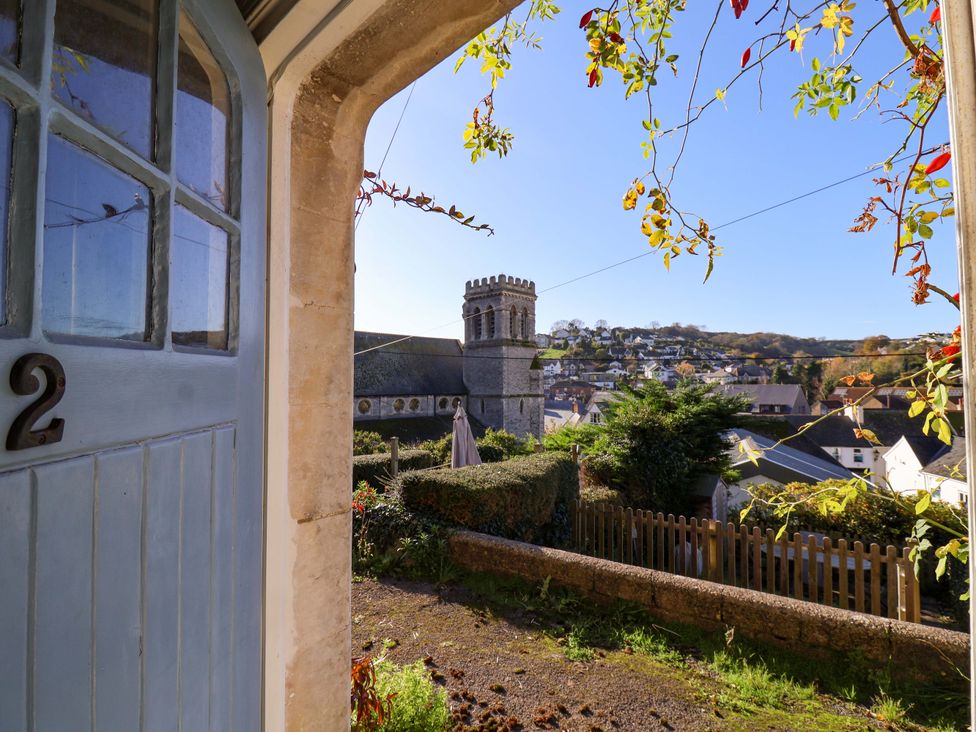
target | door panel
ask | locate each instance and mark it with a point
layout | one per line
(140, 609)
(131, 549)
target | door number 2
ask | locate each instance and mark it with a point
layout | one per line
(24, 383)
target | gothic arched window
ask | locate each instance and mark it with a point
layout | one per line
(512, 324)
(490, 322)
(525, 324)
(476, 319)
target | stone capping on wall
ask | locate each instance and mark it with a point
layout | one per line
(910, 650)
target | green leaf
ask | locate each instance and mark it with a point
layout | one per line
(925, 499)
(918, 406)
(941, 568)
(945, 433)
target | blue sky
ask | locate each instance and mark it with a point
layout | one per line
(555, 201)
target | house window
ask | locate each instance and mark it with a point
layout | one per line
(398, 405)
(363, 406)
(456, 403)
(414, 405)
(442, 404)
(858, 457)
(140, 224)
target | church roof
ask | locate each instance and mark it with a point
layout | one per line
(414, 366)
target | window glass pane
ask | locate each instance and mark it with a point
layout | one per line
(6, 145)
(97, 242)
(198, 282)
(104, 63)
(10, 30)
(202, 117)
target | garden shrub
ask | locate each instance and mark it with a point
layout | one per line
(375, 469)
(494, 447)
(419, 705)
(598, 494)
(368, 443)
(527, 498)
(440, 449)
(391, 540)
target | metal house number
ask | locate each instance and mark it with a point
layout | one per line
(24, 383)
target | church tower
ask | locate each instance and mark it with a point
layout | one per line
(501, 373)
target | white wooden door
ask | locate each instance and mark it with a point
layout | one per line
(132, 143)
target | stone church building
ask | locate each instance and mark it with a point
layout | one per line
(494, 374)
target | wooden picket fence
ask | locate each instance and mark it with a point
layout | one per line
(806, 566)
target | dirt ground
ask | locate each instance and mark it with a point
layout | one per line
(505, 673)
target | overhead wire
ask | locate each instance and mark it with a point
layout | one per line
(767, 209)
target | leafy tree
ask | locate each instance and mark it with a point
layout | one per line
(654, 443)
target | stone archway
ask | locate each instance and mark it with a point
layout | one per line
(330, 70)
(324, 91)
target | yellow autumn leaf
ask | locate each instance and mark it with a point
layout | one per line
(630, 199)
(797, 37)
(639, 187)
(720, 94)
(927, 217)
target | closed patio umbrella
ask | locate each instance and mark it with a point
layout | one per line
(463, 449)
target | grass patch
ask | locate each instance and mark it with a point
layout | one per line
(553, 353)
(740, 677)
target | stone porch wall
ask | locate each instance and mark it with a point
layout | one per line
(910, 650)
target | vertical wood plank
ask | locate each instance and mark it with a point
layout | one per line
(601, 530)
(621, 528)
(669, 548)
(859, 577)
(16, 516)
(875, 579)
(757, 559)
(770, 539)
(731, 573)
(718, 561)
(828, 572)
(222, 558)
(682, 546)
(813, 565)
(843, 593)
(744, 555)
(694, 549)
(891, 575)
(706, 550)
(661, 548)
(913, 611)
(629, 534)
(797, 566)
(640, 539)
(784, 565)
(161, 587)
(118, 589)
(62, 688)
(195, 581)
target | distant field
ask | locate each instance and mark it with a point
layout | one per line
(552, 353)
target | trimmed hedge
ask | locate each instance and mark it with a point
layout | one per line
(375, 469)
(527, 498)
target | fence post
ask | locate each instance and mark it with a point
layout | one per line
(395, 456)
(575, 452)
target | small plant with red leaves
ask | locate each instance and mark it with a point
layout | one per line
(369, 710)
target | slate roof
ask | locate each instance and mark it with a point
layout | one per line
(784, 463)
(927, 450)
(944, 463)
(838, 430)
(414, 366)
